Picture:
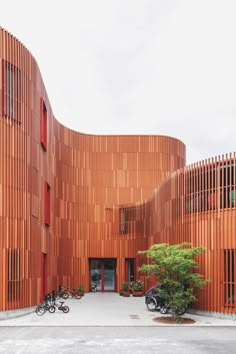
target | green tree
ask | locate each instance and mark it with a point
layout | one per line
(174, 265)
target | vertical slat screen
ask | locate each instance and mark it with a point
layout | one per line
(229, 278)
(207, 219)
(109, 196)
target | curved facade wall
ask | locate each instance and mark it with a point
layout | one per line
(66, 197)
(197, 204)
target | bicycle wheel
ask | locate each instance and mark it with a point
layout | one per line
(65, 295)
(151, 304)
(52, 309)
(181, 311)
(65, 309)
(163, 310)
(40, 310)
(77, 296)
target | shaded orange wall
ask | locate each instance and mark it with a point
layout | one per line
(169, 219)
(89, 177)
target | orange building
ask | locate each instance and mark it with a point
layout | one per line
(76, 208)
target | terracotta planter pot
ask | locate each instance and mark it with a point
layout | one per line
(126, 293)
(121, 292)
(137, 293)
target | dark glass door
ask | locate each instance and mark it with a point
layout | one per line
(102, 273)
(109, 275)
(96, 273)
(129, 269)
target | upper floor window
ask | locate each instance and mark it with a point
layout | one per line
(229, 277)
(126, 216)
(47, 204)
(43, 124)
(10, 91)
(211, 187)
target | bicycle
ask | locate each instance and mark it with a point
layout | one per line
(45, 306)
(60, 306)
(71, 292)
(55, 304)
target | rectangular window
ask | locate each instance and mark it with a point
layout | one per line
(47, 204)
(13, 275)
(127, 217)
(123, 221)
(227, 184)
(229, 277)
(10, 91)
(212, 187)
(43, 124)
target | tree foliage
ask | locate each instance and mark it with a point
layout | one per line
(175, 267)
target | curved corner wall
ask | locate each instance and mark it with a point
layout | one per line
(63, 193)
(197, 204)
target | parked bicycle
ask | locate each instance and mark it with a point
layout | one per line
(71, 292)
(47, 305)
(51, 304)
(59, 306)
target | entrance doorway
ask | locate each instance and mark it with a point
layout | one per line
(102, 273)
(129, 270)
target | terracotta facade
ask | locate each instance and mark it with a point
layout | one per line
(70, 199)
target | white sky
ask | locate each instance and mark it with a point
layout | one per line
(163, 67)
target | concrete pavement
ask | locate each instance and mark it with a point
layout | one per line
(107, 310)
(117, 340)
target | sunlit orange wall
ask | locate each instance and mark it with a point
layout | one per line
(89, 177)
(170, 218)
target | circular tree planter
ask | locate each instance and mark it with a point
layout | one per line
(168, 320)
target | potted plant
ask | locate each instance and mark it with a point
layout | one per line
(81, 290)
(138, 288)
(131, 286)
(121, 290)
(125, 288)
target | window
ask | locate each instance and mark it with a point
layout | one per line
(123, 221)
(47, 204)
(229, 277)
(10, 91)
(227, 184)
(43, 124)
(127, 217)
(13, 275)
(212, 187)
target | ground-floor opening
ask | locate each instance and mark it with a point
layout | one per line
(103, 273)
